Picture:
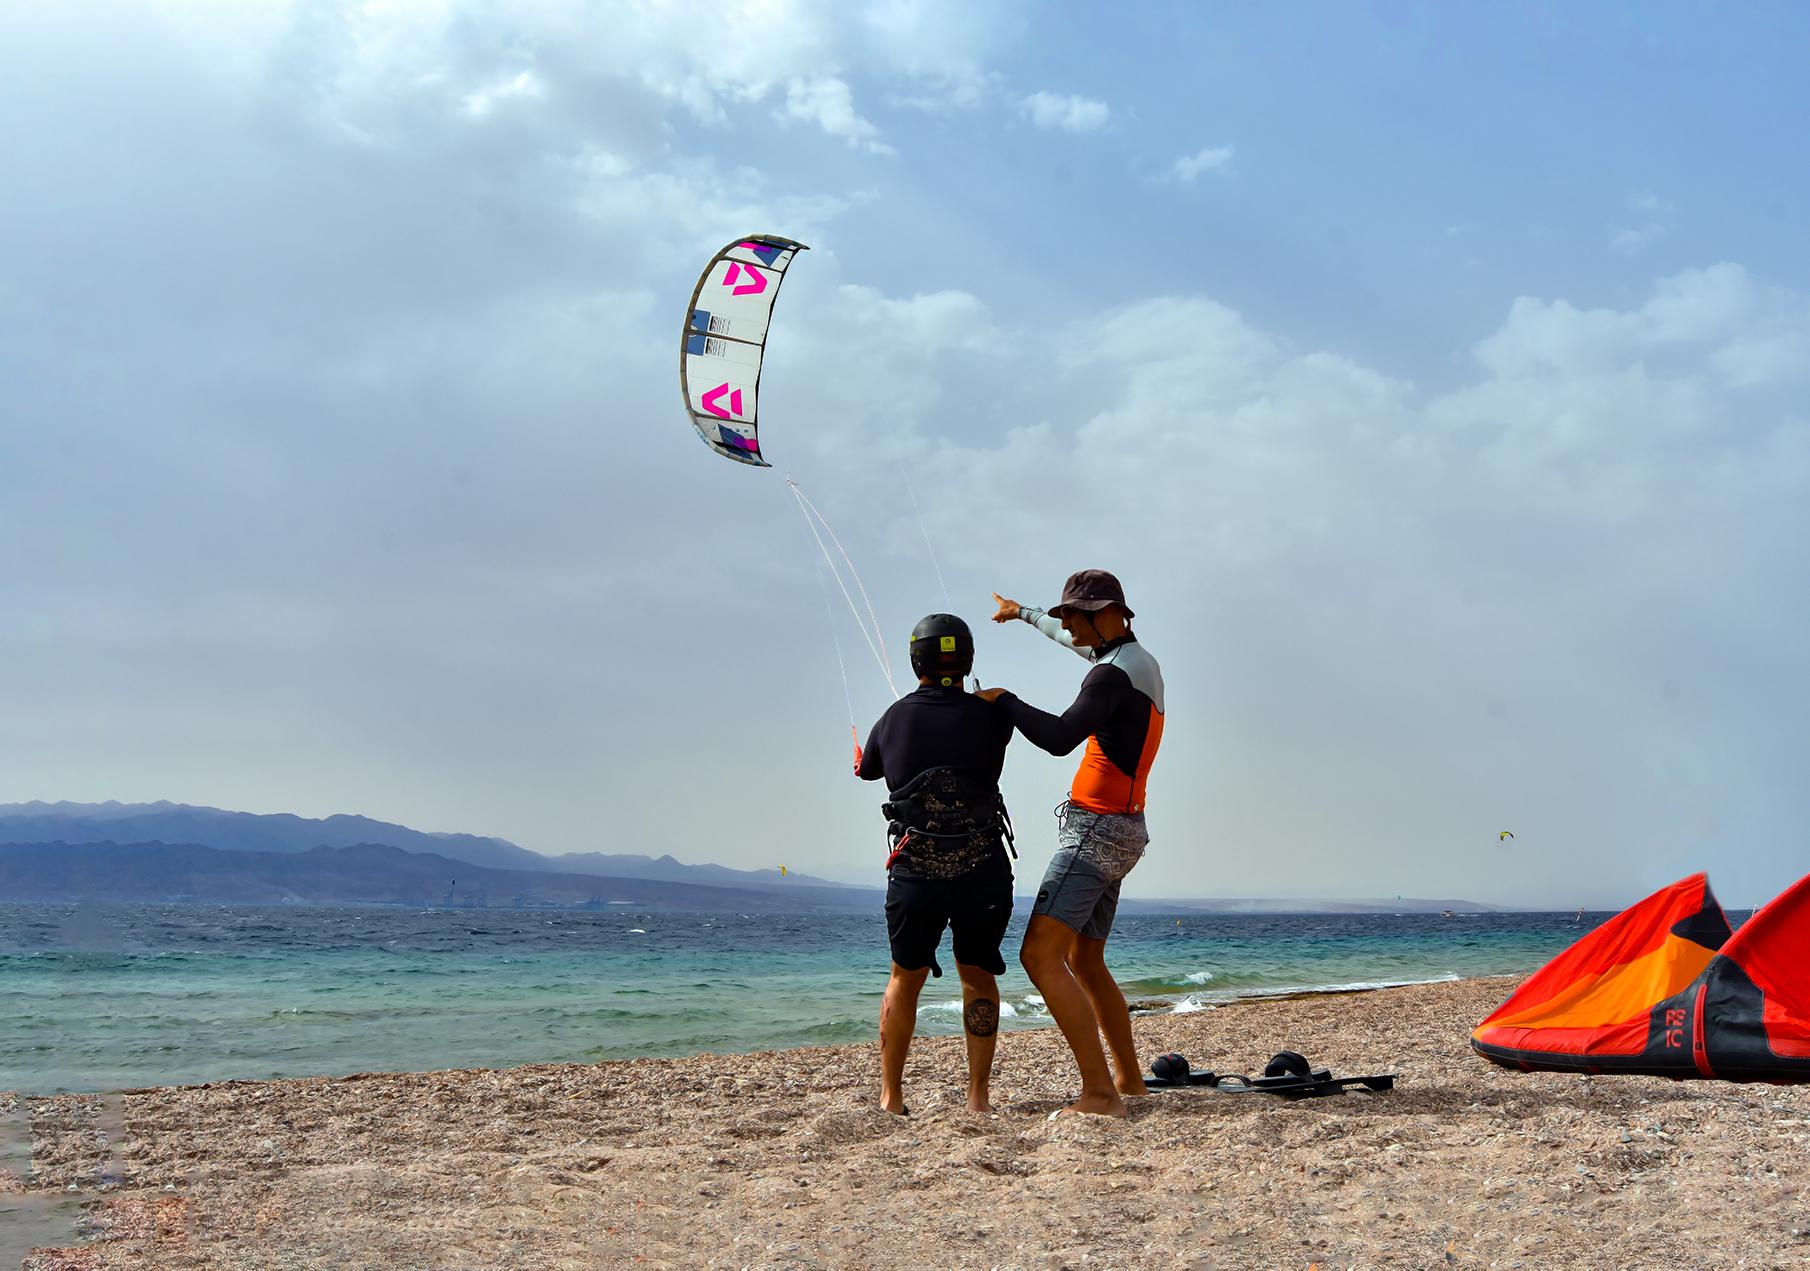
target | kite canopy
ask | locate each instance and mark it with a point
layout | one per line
(724, 338)
(1664, 988)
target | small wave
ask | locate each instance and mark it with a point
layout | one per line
(567, 1014)
(1171, 983)
(1206, 1002)
(954, 1007)
(1357, 986)
(362, 1014)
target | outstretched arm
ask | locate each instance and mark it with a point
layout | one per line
(1051, 627)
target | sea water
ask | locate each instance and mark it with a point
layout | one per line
(114, 997)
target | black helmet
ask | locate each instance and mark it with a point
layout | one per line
(942, 649)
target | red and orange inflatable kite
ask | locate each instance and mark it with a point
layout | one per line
(1665, 988)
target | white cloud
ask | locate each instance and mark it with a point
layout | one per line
(952, 95)
(1633, 241)
(524, 85)
(938, 320)
(1763, 358)
(1209, 159)
(938, 51)
(1655, 215)
(1753, 336)
(360, 65)
(827, 102)
(1071, 114)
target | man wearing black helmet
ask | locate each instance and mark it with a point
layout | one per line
(1101, 835)
(940, 751)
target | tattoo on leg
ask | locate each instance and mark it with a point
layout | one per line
(981, 1017)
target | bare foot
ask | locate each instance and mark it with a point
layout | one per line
(1096, 1105)
(979, 1103)
(896, 1106)
(1133, 1088)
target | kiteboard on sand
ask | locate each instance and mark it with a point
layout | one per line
(1288, 1074)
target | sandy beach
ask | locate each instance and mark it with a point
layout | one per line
(783, 1160)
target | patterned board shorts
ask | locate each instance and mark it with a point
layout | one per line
(1094, 852)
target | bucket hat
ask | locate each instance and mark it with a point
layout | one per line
(1091, 590)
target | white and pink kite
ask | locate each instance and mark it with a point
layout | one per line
(724, 338)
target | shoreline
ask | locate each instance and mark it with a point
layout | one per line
(175, 998)
(1141, 1007)
(781, 1158)
(1151, 1005)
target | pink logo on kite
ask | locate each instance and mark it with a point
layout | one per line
(753, 287)
(714, 395)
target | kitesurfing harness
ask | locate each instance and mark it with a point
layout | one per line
(946, 820)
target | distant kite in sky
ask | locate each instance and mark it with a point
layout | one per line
(1506, 834)
(725, 338)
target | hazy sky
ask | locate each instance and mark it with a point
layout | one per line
(1437, 379)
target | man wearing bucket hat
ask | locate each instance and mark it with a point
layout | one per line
(1101, 834)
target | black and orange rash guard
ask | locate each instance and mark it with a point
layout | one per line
(1118, 713)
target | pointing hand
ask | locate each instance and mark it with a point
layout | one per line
(1008, 609)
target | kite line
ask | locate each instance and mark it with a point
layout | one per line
(829, 613)
(925, 531)
(875, 637)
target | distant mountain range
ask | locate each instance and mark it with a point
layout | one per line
(281, 832)
(1405, 905)
(173, 851)
(364, 873)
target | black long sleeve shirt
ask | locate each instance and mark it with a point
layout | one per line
(938, 730)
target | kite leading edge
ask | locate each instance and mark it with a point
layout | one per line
(724, 339)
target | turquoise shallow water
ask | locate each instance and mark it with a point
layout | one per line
(114, 997)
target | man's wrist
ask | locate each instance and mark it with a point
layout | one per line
(1030, 613)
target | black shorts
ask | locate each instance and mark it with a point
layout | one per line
(975, 907)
